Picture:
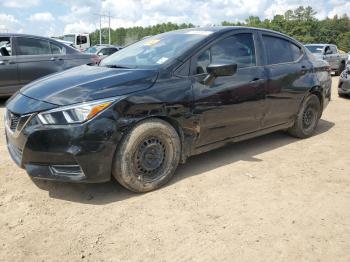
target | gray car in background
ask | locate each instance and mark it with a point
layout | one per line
(24, 58)
(330, 53)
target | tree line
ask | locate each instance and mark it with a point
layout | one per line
(300, 23)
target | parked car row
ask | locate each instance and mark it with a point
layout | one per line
(26, 58)
(148, 107)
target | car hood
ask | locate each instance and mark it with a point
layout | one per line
(85, 83)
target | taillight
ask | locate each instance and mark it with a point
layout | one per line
(95, 59)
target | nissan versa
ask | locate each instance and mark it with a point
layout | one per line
(150, 106)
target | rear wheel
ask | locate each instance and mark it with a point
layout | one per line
(148, 156)
(307, 118)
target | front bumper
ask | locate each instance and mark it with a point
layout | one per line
(74, 153)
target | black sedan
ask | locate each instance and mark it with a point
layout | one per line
(150, 106)
(24, 58)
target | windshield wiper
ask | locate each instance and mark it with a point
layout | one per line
(117, 66)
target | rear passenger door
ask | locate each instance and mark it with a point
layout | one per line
(288, 73)
(8, 68)
(35, 59)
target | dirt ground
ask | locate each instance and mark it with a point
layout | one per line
(273, 198)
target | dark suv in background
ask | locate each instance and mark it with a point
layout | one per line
(24, 58)
(154, 103)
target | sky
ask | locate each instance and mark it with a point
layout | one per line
(55, 17)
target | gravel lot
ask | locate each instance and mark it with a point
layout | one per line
(273, 198)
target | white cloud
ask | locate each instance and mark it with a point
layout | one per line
(8, 23)
(340, 8)
(80, 15)
(20, 3)
(79, 27)
(41, 17)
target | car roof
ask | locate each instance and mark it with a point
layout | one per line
(35, 36)
(224, 29)
(318, 44)
(27, 35)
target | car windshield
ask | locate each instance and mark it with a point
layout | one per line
(315, 49)
(91, 50)
(69, 38)
(154, 51)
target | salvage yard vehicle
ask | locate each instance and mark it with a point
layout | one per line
(80, 41)
(31, 57)
(331, 54)
(102, 50)
(344, 82)
(150, 106)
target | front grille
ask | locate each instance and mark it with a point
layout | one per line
(16, 122)
(13, 120)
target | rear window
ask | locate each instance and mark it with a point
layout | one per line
(315, 49)
(5, 46)
(279, 50)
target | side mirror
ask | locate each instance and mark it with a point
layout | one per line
(216, 70)
(100, 54)
(328, 52)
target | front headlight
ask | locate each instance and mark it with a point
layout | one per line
(74, 114)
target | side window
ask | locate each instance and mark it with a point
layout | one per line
(280, 50)
(81, 39)
(56, 49)
(111, 51)
(203, 61)
(5, 46)
(333, 49)
(296, 51)
(32, 46)
(237, 49)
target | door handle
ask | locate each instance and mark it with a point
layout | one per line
(2, 62)
(303, 69)
(53, 58)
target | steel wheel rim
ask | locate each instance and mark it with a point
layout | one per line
(150, 159)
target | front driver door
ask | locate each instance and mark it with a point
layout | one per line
(231, 105)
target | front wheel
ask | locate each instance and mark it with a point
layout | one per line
(307, 118)
(147, 157)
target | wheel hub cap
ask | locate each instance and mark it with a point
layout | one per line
(308, 117)
(150, 156)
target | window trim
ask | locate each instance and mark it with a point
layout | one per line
(262, 33)
(195, 56)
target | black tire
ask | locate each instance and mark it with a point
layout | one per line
(148, 156)
(307, 118)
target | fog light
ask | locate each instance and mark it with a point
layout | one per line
(67, 170)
